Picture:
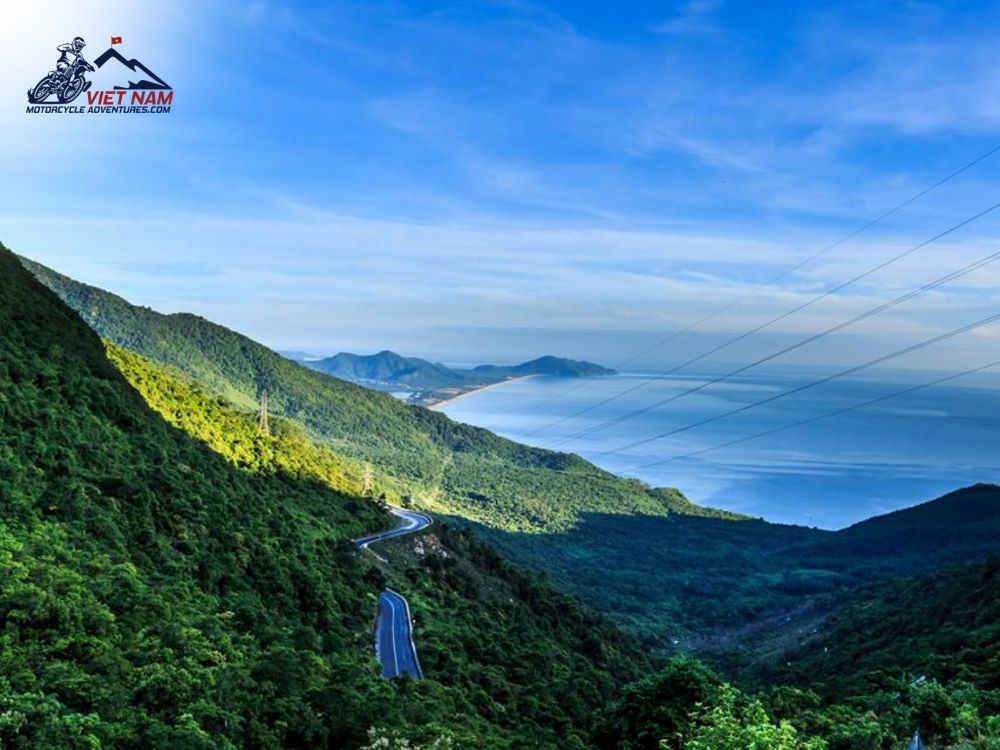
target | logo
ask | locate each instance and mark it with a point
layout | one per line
(131, 88)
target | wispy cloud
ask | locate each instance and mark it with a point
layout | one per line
(695, 17)
(651, 137)
(503, 164)
(325, 267)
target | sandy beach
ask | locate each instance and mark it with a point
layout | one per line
(469, 392)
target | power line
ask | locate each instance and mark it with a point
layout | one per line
(940, 281)
(801, 264)
(809, 339)
(806, 386)
(753, 292)
(758, 328)
(827, 415)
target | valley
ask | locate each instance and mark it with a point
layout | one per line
(500, 376)
(675, 578)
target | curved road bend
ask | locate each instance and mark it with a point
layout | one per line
(412, 521)
(394, 646)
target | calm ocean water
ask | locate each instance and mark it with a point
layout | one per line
(830, 473)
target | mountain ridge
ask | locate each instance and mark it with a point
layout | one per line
(429, 383)
(554, 512)
(416, 452)
(172, 578)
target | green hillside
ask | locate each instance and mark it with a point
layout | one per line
(190, 584)
(387, 369)
(443, 465)
(943, 625)
(671, 572)
(697, 583)
(958, 526)
(171, 578)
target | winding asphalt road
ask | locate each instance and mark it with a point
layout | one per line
(412, 521)
(394, 646)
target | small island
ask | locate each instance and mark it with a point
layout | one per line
(425, 383)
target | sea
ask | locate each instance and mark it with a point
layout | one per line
(828, 473)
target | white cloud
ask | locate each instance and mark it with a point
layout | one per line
(559, 197)
(695, 17)
(269, 273)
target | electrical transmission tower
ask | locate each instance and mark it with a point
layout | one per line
(262, 424)
(367, 480)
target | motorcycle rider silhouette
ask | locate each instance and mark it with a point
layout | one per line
(67, 81)
(73, 48)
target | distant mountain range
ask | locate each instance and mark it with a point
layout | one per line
(432, 382)
(117, 508)
(387, 368)
(161, 558)
(548, 365)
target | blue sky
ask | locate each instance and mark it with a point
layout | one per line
(498, 180)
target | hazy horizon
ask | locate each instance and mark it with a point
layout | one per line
(596, 198)
(830, 473)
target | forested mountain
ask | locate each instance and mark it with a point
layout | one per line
(170, 577)
(666, 569)
(959, 525)
(429, 383)
(190, 584)
(698, 583)
(387, 369)
(443, 465)
(944, 625)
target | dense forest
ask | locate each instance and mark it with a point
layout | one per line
(169, 577)
(440, 463)
(945, 624)
(473, 608)
(700, 572)
(699, 582)
(194, 587)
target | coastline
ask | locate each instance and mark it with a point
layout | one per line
(457, 397)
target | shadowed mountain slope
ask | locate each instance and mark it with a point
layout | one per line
(667, 569)
(191, 584)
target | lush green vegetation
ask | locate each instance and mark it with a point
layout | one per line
(676, 581)
(655, 714)
(709, 583)
(150, 593)
(169, 577)
(415, 452)
(961, 525)
(700, 578)
(192, 586)
(944, 624)
(212, 420)
(443, 572)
